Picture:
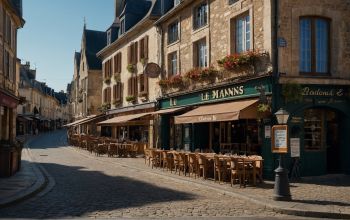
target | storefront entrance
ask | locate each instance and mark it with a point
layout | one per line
(322, 139)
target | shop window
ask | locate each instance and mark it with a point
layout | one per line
(143, 53)
(200, 16)
(313, 129)
(314, 46)
(172, 64)
(173, 32)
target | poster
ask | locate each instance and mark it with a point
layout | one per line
(267, 131)
(295, 147)
(279, 139)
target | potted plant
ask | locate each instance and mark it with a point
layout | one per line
(116, 102)
(131, 68)
(176, 81)
(292, 92)
(263, 110)
(117, 77)
(130, 98)
(143, 61)
(236, 61)
(107, 80)
(104, 107)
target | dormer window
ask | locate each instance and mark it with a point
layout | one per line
(109, 37)
(122, 25)
(176, 2)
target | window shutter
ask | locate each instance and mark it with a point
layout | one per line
(129, 87)
(119, 56)
(141, 49)
(135, 53)
(115, 92)
(135, 86)
(115, 64)
(104, 70)
(104, 96)
(146, 47)
(145, 83)
(129, 54)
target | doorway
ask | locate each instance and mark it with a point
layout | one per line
(332, 142)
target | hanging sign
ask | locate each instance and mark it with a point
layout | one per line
(279, 139)
(152, 70)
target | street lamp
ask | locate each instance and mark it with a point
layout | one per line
(281, 189)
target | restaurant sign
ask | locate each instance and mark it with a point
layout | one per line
(325, 92)
(253, 88)
(223, 93)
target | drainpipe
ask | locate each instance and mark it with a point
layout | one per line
(276, 89)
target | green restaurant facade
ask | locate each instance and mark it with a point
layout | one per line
(319, 123)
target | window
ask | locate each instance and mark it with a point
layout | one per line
(143, 79)
(176, 2)
(242, 39)
(172, 63)
(109, 37)
(143, 53)
(107, 68)
(132, 86)
(117, 59)
(107, 95)
(201, 52)
(200, 16)
(117, 91)
(314, 45)
(122, 25)
(231, 2)
(132, 53)
(173, 32)
(7, 64)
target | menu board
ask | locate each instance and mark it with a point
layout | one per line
(280, 139)
(295, 147)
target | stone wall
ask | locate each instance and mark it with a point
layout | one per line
(219, 32)
(153, 56)
(338, 11)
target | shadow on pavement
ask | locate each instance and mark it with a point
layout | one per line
(328, 180)
(79, 191)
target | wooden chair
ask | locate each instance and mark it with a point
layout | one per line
(155, 159)
(179, 163)
(192, 165)
(112, 150)
(202, 165)
(147, 153)
(133, 150)
(220, 168)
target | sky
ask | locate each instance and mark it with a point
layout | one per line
(53, 32)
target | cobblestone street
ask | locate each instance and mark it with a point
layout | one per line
(85, 187)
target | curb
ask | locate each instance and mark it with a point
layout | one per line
(265, 204)
(41, 182)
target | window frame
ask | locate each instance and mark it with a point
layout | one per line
(313, 72)
(234, 32)
(170, 64)
(196, 24)
(198, 50)
(171, 32)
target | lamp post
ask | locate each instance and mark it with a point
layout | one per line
(281, 189)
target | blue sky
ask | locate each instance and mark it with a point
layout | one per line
(53, 31)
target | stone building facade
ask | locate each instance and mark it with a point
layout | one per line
(313, 56)
(10, 21)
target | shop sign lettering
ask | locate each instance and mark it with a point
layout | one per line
(223, 93)
(207, 118)
(307, 91)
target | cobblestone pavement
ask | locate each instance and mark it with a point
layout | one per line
(99, 189)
